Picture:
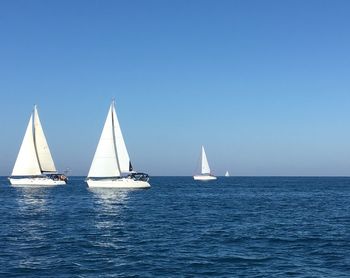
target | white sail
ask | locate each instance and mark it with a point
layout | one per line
(227, 174)
(42, 148)
(205, 165)
(122, 152)
(27, 163)
(105, 162)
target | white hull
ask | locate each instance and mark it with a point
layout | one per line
(204, 178)
(117, 183)
(35, 181)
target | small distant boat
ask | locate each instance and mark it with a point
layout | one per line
(227, 174)
(111, 166)
(205, 169)
(34, 164)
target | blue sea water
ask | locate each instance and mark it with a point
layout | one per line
(232, 227)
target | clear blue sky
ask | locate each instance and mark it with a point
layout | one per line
(264, 85)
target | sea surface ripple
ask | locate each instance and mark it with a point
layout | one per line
(232, 227)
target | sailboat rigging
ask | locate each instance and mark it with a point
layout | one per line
(111, 166)
(205, 173)
(34, 164)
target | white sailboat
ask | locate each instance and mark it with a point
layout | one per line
(34, 164)
(227, 174)
(111, 166)
(205, 169)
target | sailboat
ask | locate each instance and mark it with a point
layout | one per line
(205, 169)
(227, 174)
(34, 164)
(111, 166)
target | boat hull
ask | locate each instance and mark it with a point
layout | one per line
(36, 182)
(204, 178)
(117, 183)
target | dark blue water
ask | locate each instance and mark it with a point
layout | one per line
(234, 227)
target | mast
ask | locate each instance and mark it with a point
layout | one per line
(34, 138)
(114, 141)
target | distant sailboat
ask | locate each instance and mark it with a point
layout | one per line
(34, 164)
(205, 169)
(111, 166)
(227, 174)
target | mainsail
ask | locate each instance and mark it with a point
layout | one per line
(42, 148)
(122, 153)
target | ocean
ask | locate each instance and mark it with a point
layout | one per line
(232, 227)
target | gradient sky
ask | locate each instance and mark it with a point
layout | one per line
(264, 85)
